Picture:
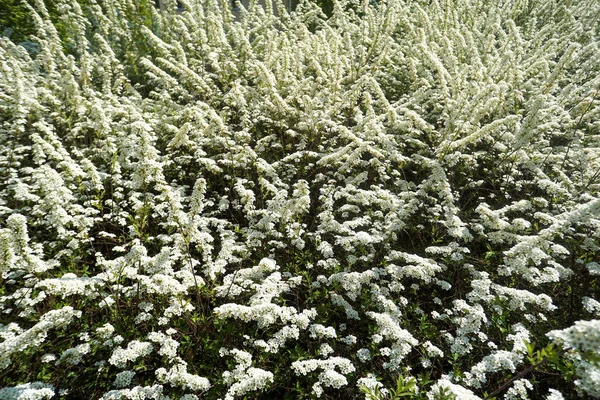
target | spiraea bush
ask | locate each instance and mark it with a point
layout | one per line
(399, 199)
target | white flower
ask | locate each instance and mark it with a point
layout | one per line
(389, 328)
(37, 334)
(135, 349)
(363, 355)
(146, 306)
(189, 397)
(592, 306)
(554, 395)
(135, 393)
(48, 358)
(168, 346)
(142, 317)
(317, 389)
(370, 382)
(325, 350)
(124, 378)
(392, 163)
(385, 351)
(518, 390)
(28, 391)
(304, 367)
(75, 355)
(318, 331)
(497, 361)
(457, 390)
(331, 378)
(349, 340)
(431, 350)
(70, 285)
(178, 376)
(583, 336)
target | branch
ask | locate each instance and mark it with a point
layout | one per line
(516, 377)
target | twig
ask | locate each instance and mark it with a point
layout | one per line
(577, 127)
(591, 181)
(516, 377)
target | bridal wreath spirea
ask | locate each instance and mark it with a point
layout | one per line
(293, 200)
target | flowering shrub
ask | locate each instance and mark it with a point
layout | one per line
(263, 204)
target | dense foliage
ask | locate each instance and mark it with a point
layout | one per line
(400, 198)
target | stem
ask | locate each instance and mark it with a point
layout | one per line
(591, 181)
(516, 377)
(137, 294)
(577, 127)
(189, 257)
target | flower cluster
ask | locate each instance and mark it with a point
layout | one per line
(206, 202)
(583, 339)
